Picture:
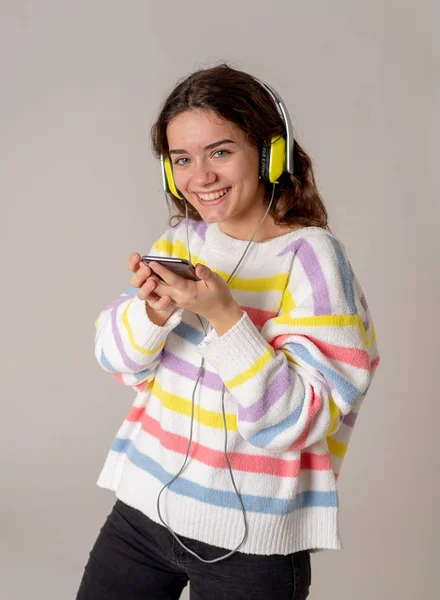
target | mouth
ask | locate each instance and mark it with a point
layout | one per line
(213, 197)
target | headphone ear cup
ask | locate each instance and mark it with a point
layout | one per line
(277, 158)
(264, 164)
(169, 179)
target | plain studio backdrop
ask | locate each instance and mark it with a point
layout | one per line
(81, 83)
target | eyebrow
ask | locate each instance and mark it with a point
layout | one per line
(208, 147)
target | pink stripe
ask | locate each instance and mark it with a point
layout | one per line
(374, 363)
(314, 407)
(136, 414)
(257, 316)
(143, 386)
(350, 356)
(239, 461)
(140, 387)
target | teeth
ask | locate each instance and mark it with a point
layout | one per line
(214, 196)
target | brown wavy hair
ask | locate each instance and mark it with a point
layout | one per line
(237, 97)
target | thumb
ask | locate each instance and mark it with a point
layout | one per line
(204, 273)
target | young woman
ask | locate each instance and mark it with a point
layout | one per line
(248, 378)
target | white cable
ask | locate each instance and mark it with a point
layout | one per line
(246, 529)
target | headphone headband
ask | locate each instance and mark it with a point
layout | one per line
(282, 109)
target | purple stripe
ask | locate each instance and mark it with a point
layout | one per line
(117, 302)
(313, 270)
(135, 367)
(199, 227)
(186, 369)
(349, 419)
(278, 387)
(292, 247)
(363, 301)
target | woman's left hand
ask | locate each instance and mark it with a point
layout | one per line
(210, 297)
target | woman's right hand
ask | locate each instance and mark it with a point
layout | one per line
(146, 280)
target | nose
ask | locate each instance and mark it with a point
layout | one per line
(203, 174)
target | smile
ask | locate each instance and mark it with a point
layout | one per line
(213, 195)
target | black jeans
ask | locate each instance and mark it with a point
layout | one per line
(134, 558)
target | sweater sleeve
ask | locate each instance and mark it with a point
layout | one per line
(294, 380)
(127, 343)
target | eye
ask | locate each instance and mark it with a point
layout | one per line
(178, 161)
(225, 152)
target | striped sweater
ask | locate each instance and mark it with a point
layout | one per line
(296, 369)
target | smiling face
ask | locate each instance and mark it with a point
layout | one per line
(216, 169)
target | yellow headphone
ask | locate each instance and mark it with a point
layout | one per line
(275, 159)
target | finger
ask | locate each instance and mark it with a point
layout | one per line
(134, 262)
(163, 289)
(154, 292)
(144, 268)
(141, 276)
(143, 272)
(153, 285)
(147, 288)
(163, 303)
(170, 278)
(203, 272)
(158, 302)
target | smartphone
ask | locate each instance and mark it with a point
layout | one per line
(178, 265)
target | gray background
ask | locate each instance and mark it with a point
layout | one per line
(81, 82)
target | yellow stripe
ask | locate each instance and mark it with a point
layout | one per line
(287, 303)
(337, 448)
(372, 338)
(97, 320)
(334, 418)
(259, 284)
(325, 321)
(318, 321)
(131, 336)
(178, 250)
(180, 405)
(288, 356)
(251, 372)
(164, 246)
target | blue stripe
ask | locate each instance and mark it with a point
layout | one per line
(130, 291)
(346, 275)
(188, 333)
(142, 374)
(121, 445)
(106, 364)
(263, 438)
(258, 504)
(347, 391)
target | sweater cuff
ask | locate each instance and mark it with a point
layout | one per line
(148, 334)
(236, 350)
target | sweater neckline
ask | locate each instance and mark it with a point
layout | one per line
(223, 244)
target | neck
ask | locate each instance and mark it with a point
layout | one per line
(243, 226)
(244, 231)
